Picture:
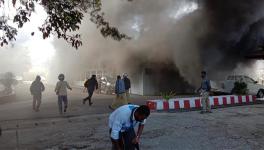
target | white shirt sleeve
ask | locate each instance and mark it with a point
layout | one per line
(116, 128)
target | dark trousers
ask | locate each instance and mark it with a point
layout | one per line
(62, 99)
(90, 94)
(120, 141)
(125, 140)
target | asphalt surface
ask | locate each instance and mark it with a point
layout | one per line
(19, 107)
(84, 127)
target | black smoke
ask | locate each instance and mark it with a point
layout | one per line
(215, 37)
(234, 29)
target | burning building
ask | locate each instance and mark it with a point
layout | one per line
(171, 42)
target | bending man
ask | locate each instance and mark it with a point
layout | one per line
(122, 122)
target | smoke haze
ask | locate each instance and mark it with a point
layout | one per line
(193, 35)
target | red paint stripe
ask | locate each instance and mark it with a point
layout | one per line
(224, 101)
(240, 99)
(187, 104)
(152, 105)
(232, 98)
(197, 103)
(216, 102)
(176, 105)
(165, 105)
(247, 99)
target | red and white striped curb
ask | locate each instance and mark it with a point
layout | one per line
(195, 102)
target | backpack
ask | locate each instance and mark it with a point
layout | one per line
(86, 83)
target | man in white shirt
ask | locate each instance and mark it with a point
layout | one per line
(61, 91)
(122, 122)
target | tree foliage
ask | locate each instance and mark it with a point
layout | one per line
(64, 18)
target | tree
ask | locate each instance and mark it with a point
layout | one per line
(63, 19)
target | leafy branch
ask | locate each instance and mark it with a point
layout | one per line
(64, 18)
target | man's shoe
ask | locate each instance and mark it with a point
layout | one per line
(209, 111)
(90, 103)
(84, 100)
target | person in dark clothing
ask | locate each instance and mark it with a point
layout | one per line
(36, 89)
(204, 90)
(127, 87)
(91, 84)
(120, 94)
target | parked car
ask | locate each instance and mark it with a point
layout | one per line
(226, 86)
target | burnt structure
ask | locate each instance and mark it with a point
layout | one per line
(156, 78)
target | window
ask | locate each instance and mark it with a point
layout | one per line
(249, 80)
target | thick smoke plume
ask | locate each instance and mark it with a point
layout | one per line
(231, 33)
(193, 35)
(161, 33)
(208, 36)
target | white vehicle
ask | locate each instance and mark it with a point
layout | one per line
(227, 85)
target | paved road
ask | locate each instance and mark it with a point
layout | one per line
(85, 127)
(239, 128)
(20, 107)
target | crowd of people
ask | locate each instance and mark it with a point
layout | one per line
(122, 120)
(125, 116)
(122, 91)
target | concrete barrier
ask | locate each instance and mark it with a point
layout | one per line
(195, 102)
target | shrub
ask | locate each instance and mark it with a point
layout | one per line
(240, 88)
(168, 95)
